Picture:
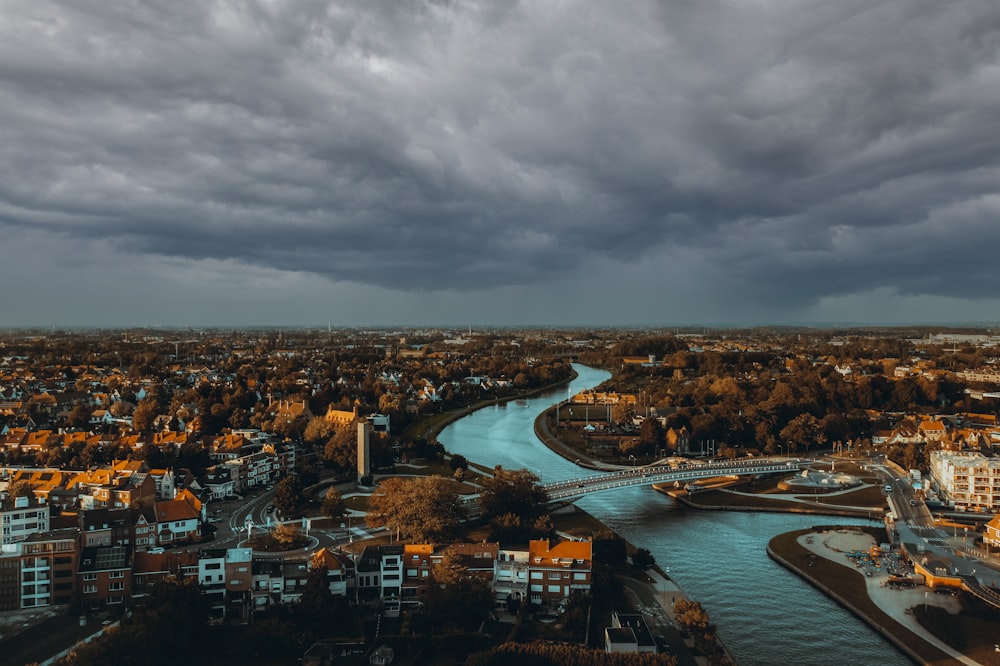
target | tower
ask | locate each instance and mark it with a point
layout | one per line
(364, 450)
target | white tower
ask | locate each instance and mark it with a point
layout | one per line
(364, 450)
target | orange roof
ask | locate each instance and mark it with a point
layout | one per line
(326, 558)
(575, 550)
(176, 509)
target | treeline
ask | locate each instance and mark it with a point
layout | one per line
(776, 401)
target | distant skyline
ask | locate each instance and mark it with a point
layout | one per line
(574, 163)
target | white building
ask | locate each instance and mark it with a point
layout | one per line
(21, 517)
(967, 480)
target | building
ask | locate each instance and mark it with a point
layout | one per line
(628, 633)
(968, 481)
(21, 517)
(105, 575)
(39, 571)
(555, 572)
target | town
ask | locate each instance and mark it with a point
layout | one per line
(291, 480)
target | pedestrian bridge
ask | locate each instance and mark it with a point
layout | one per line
(561, 491)
(638, 476)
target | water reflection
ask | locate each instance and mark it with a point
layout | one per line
(765, 615)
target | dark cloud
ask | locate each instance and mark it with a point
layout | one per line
(783, 153)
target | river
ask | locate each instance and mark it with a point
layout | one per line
(765, 615)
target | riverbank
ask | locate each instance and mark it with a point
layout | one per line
(429, 428)
(815, 556)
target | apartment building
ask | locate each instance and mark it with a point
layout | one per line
(969, 481)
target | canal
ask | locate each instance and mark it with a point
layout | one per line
(765, 615)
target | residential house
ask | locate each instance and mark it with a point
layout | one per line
(380, 572)
(339, 569)
(105, 575)
(557, 571)
(178, 520)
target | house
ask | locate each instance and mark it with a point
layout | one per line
(380, 572)
(105, 575)
(932, 431)
(992, 534)
(557, 571)
(151, 568)
(267, 580)
(178, 519)
(339, 569)
(212, 581)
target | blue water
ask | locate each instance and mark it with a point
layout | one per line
(765, 615)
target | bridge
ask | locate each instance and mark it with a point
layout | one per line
(650, 474)
(561, 491)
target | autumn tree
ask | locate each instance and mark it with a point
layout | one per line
(514, 492)
(333, 504)
(289, 497)
(420, 509)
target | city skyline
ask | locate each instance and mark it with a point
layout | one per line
(571, 164)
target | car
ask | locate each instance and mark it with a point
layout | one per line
(158, 550)
(913, 502)
(269, 508)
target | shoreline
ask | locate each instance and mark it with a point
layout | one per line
(433, 430)
(784, 549)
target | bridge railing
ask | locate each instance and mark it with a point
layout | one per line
(663, 473)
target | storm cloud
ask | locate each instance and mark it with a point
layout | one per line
(736, 158)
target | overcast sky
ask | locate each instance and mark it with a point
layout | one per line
(203, 162)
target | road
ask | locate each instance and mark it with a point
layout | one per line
(915, 524)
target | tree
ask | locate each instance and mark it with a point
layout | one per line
(651, 436)
(144, 414)
(289, 497)
(609, 548)
(643, 559)
(802, 431)
(20, 488)
(421, 509)
(318, 431)
(341, 450)
(514, 492)
(458, 462)
(79, 416)
(333, 504)
(464, 604)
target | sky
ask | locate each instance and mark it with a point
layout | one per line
(551, 162)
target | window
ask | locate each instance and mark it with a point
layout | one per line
(536, 575)
(554, 575)
(89, 589)
(213, 565)
(579, 576)
(116, 574)
(90, 576)
(117, 586)
(555, 588)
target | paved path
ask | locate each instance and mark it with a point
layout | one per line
(833, 545)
